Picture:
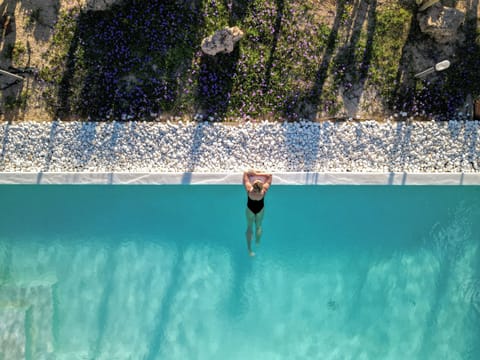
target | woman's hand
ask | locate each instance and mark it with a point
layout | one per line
(267, 179)
(253, 172)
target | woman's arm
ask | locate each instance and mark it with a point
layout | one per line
(268, 181)
(246, 181)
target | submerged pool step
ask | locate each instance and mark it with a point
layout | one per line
(26, 312)
(12, 333)
(82, 355)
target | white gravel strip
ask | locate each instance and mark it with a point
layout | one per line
(179, 147)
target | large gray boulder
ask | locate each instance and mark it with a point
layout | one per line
(441, 22)
(222, 41)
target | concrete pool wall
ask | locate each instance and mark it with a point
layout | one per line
(236, 178)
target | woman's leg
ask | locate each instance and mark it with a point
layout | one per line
(258, 226)
(250, 219)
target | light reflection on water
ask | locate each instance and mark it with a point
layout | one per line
(163, 273)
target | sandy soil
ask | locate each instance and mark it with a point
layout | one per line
(27, 24)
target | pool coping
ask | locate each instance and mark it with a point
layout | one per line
(235, 178)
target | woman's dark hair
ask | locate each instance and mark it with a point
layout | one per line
(258, 185)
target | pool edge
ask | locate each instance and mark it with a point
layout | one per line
(280, 178)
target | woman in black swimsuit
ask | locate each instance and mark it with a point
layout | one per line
(256, 184)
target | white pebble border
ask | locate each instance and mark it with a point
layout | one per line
(279, 147)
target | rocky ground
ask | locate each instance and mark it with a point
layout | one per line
(30, 23)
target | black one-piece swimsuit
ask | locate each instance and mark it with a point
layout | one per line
(255, 205)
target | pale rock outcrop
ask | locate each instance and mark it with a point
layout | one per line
(425, 4)
(441, 22)
(222, 41)
(100, 5)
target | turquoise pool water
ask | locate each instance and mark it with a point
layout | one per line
(162, 272)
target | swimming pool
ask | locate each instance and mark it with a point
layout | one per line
(162, 272)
